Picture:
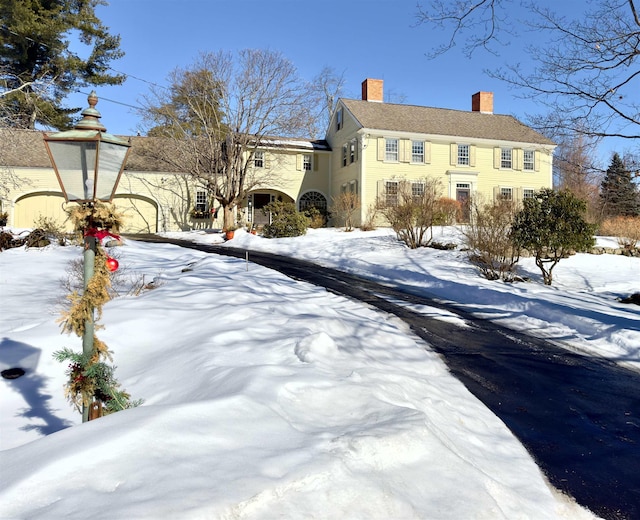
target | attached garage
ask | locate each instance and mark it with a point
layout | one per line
(141, 214)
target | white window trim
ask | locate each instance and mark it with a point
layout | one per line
(307, 162)
(258, 156)
(467, 155)
(503, 160)
(506, 189)
(201, 200)
(532, 163)
(420, 154)
(387, 153)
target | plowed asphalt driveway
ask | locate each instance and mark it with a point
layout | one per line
(578, 416)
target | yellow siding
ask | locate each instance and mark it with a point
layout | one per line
(285, 174)
(483, 177)
(159, 201)
(30, 209)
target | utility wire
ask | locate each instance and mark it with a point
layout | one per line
(5, 28)
(102, 98)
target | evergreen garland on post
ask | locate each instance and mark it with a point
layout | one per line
(91, 380)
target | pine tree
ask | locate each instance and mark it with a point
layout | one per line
(618, 194)
(37, 69)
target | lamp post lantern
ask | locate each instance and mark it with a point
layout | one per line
(87, 160)
(88, 163)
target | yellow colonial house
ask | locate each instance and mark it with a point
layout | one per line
(375, 145)
(369, 148)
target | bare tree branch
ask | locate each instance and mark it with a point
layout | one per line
(220, 111)
(585, 71)
(478, 23)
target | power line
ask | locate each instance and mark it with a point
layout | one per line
(5, 28)
(136, 78)
(102, 98)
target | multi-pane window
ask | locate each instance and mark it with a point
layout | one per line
(339, 119)
(505, 158)
(391, 193)
(463, 155)
(417, 191)
(528, 158)
(528, 193)
(506, 193)
(391, 150)
(258, 159)
(417, 151)
(313, 199)
(201, 200)
(306, 162)
(344, 154)
(352, 150)
(349, 187)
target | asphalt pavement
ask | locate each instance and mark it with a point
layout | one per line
(577, 415)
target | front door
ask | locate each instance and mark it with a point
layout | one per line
(260, 200)
(463, 196)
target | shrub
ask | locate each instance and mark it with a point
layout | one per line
(286, 221)
(317, 217)
(411, 211)
(488, 239)
(625, 229)
(345, 206)
(369, 223)
(447, 212)
(552, 226)
(52, 230)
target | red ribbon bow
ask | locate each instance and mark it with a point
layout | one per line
(100, 234)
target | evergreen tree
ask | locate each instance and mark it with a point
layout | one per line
(618, 194)
(37, 69)
(551, 226)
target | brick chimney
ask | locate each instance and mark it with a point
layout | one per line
(372, 90)
(482, 102)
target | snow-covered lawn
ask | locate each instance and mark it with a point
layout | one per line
(270, 398)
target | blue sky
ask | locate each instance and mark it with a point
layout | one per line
(360, 38)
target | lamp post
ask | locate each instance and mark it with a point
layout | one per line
(88, 163)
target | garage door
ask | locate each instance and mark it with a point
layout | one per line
(29, 209)
(140, 215)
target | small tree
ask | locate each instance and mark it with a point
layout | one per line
(411, 210)
(286, 221)
(488, 239)
(345, 207)
(552, 226)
